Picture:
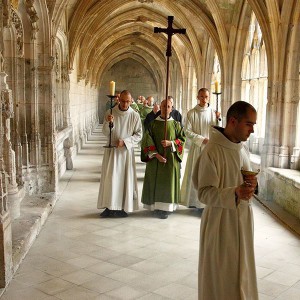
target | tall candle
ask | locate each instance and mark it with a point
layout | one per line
(112, 86)
(216, 86)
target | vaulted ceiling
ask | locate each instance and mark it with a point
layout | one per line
(107, 31)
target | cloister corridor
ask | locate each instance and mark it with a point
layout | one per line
(79, 256)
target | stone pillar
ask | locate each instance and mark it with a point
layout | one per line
(68, 153)
(6, 264)
(283, 159)
(13, 195)
(295, 159)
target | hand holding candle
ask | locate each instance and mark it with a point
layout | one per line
(112, 86)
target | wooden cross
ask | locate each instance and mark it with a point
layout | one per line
(169, 31)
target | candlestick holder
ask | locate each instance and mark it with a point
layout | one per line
(111, 125)
(217, 103)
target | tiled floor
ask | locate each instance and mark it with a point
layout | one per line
(80, 256)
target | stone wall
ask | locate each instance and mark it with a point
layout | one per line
(283, 187)
(130, 75)
(83, 108)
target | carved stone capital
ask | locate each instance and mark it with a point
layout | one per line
(6, 13)
(32, 14)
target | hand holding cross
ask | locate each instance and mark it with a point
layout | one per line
(169, 31)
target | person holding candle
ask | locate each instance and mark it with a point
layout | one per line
(118, 192)
(198, 122)
(226, 261)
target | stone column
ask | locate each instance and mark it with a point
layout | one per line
(14, 195)
(6, 264)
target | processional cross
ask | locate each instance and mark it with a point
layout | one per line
(169, 31)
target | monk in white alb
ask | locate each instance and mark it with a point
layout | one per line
(226, 262)
(118, 192)
(198, 122)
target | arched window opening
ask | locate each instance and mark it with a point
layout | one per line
(216, 85)
(255, 81)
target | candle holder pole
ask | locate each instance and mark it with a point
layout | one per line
(111, 125)
(217, 102)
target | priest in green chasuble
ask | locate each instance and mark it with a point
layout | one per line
(161, 189)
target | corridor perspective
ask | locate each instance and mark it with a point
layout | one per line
(78, 255)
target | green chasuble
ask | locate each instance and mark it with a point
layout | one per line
(144, 111)
(161, 189)
(135, 107)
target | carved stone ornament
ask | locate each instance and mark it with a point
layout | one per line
(16, 21)
(7, 103)
(6, 13)
(15, 4)
(32, 16)
(56, 66)
(65, 74)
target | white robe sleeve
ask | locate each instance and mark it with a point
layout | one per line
(194, 137)
(207, 182)
(136, 137)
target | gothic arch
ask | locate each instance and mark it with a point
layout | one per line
(292, 90)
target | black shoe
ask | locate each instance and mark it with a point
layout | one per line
(162, 214)
(123, 214)
(105, 213)
(118, 214)
(200, 210)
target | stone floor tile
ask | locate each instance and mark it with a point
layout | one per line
(153, 296)
(78, 255)
(125, 275)
(290, 294)
(270, 288)
(262, 272)
(125, 260)
(83, 261)
(281, 278)
(176, 291)
(103, 268)
(79, 277)
(24, 294)
(102, 284)
(54, 286)
(77, 293)
(265, 297)
(126, 293)
(33, 277)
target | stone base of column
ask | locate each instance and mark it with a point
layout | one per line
(6, 265)
(295, 159)
(14, 203)
(283, 160)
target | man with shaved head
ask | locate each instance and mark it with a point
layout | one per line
(118, 193)
(226, 262)
(163, 156)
